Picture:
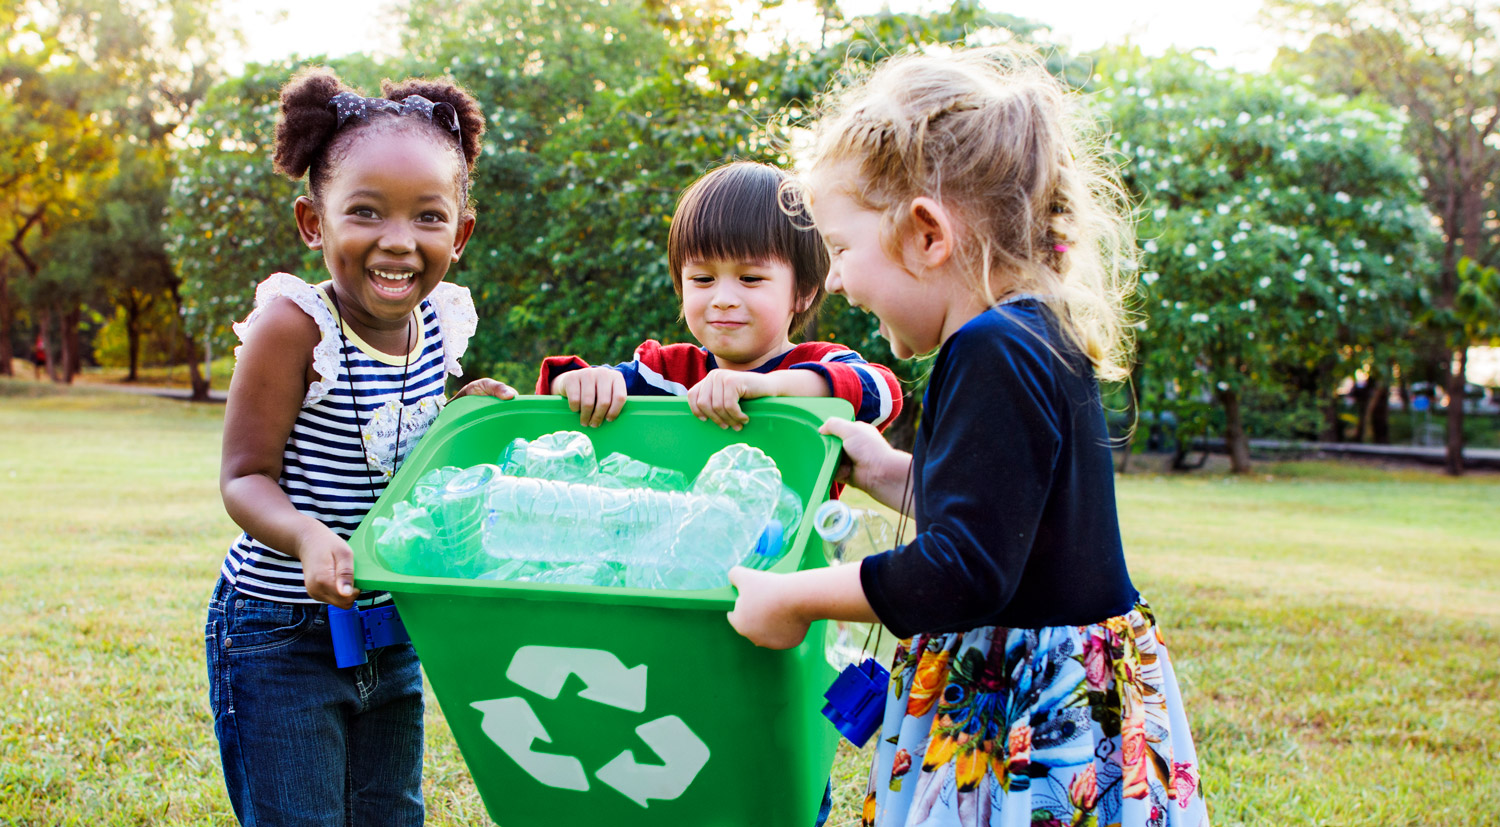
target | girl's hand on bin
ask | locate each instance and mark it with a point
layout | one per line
(870, 463)
(487, 387)
(597, 394)
(761, 612)
(328, 568)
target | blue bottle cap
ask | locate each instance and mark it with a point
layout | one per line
(769, 544)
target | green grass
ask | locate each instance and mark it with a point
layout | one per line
(169, 376)
(1335, 629)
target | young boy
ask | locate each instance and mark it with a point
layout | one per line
(749, 275)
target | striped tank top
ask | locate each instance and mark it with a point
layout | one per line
(343, 446)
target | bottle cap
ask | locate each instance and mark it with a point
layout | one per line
(769, 544)
(833, 521)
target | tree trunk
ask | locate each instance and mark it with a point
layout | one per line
(6, 353)
(1133, 417)
(44, 330)
(1333, 424)
(200, 384)
(1363, 393)
(133, 334)
(1456, 412)
(1235, 439)
(1380, 415)
(72, 359)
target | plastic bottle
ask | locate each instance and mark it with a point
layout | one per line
(850, 535)
(565, 456)
(458, 513)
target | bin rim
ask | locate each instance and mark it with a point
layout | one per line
(371, 574)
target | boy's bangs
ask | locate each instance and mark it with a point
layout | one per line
(735, 229)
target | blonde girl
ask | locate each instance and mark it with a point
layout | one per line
(962, 205)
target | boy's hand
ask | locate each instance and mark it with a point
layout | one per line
(596, 394)
(327, 568)
(718, 396)
(487, 387)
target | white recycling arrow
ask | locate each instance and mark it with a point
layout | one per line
(513, 727)
(544, 670)
(684, 754)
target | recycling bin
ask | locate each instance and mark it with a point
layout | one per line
(579, 705)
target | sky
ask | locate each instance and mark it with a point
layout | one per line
(277, 28)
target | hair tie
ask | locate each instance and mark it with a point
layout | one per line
(348, 105)
(1061, 248)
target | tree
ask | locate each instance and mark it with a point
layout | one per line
(229, 219)
(1437, 63)
(53, 153)
(130, 72)
(1283, 236)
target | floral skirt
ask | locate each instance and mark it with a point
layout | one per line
(1065, 725)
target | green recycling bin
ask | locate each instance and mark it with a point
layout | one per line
(579, 705)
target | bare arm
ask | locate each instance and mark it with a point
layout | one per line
(774, 610)
(270, 381)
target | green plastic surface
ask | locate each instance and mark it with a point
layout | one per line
(566, 676)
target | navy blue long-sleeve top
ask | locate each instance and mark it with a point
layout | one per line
(1013, 485)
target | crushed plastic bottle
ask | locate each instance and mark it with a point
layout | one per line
(850, 535)
(564, 456)
(620, 471)
(458, 512)
(548, 513)
(402, 541)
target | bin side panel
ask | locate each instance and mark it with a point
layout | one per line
(756, 711)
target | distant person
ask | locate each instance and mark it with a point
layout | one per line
(39, 356)
(749, 277)
(332, 387)
(1033, 685)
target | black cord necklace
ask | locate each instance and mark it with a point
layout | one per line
(354, 399)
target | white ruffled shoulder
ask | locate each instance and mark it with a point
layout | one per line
(307, 297)
(457, 319)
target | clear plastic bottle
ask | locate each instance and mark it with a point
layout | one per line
(458, 513)
(562, 523)
(850, 535)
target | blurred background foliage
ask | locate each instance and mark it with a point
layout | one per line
(1316, 239)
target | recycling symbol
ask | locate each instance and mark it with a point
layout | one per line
(514, 727)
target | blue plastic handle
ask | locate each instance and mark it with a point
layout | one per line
(356, 631)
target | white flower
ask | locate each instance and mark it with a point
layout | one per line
(1341, 197)
(1190, 250)
(1219, 255)
(1149, 278)
(1223, 209)
(1199, 318)
(1150, 245)
(1299, 275)
(1265, 281)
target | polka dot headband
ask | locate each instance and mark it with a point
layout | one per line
(350, 105)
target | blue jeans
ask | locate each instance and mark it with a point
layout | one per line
(302, 741)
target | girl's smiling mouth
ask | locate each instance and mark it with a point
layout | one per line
(392, 282)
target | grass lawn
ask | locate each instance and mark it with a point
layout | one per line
(1336, 629)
